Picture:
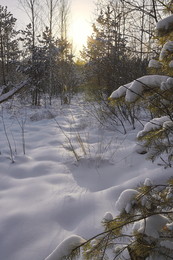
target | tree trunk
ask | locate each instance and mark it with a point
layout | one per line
(3, 63)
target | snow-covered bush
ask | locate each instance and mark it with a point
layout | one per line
(155, 93)
(142, 230)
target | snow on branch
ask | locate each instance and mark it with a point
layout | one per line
(121, 91)
(166, 50)
(151, 226)
(132, 91)
(168, 84)
(165, 25)
(154, 64)
(9, 94)
(126, 200)
(66, 247)
(156, 124)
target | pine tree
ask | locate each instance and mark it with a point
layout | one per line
(142, 230)
(9, 51)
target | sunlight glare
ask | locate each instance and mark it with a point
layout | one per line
(79, 32)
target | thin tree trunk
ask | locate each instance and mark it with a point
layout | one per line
(2, 60)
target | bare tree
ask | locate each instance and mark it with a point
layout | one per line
(141, 17)
(66, 66)
(53, 21)
(31, 8)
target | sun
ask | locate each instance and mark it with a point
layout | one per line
(79, 32)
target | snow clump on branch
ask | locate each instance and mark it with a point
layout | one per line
(152, 125)
(151, 226)
(165, 25)
(132, 91)
(126, 200)
(154, 64)
(166, 50)
(66, 247)
(168, 84)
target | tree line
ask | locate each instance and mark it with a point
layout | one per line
(43, 56)
(121, 39)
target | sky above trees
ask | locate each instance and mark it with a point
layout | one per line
(80, 22)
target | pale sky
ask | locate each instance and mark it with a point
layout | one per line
(80, 24)
(82, 17)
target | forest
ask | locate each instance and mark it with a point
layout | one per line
(86, 138)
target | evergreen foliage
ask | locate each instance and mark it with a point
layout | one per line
(154, 94)
(108, 53)
(142, 230)
(9, 51)
(46, 60)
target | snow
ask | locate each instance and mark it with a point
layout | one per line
(2, 88)
(165, 24)
(148, 182)
(108, 216)
(139, 85)
(151, 226)
(168, 125)
(132, 91)
(46, 196)
(65, 247)
(167, 244)
(154, 124)
(126, 200)
(139, 148)
(118, 249)
(169, 226)
(168, 84)
(171, 64)
(9, 94)
(154, 64)
(167, 49)
(121, 91)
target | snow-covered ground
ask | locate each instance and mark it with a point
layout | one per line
(47, 195)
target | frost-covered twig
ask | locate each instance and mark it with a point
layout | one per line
(22, 126)
(8, 140)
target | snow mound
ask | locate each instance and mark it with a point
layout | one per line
(140, 149)
(154, 64)
(148, 182)
(42, 114)
(126, 200)
(108, 217)
(65, 247)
